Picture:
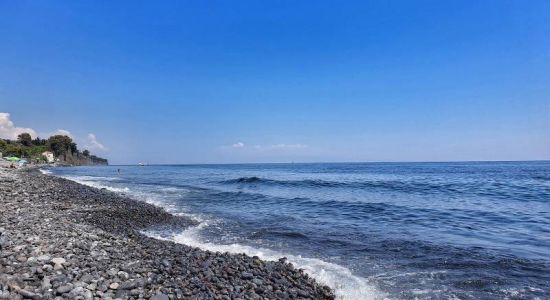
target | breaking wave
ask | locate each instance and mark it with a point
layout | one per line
(420, 187)
(341, 279)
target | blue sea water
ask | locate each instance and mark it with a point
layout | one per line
(468, 230)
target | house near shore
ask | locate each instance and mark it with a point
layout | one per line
(49, 156)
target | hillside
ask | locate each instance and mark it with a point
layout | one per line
(58, 148)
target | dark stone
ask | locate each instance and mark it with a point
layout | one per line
(160, 296)
(64, 289)
(247, 275)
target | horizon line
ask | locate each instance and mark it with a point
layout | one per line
(331, 162)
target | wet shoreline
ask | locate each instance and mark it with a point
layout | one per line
(61, 238)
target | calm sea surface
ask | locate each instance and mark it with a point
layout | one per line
(475, 230)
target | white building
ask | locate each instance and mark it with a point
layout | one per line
(49, 156)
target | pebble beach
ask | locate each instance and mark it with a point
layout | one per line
(63, 240)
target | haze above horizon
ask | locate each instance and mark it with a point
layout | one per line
(279, 81)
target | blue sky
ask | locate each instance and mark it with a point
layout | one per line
(279, 81)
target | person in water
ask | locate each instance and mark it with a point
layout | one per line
(118, 171)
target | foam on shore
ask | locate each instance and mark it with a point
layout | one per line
(45, 172)
(93, 182)
(96, 182)
(345, 284)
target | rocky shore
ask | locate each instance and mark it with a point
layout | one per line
(63, 240)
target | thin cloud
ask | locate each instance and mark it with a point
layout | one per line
(8, 130)
(281, 147)
(274, 147)
(62, 132)
(237, 145)
(94, 144)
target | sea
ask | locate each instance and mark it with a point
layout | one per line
(457, 230)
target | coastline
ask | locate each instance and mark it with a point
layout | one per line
(61, 238)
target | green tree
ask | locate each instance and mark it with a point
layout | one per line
(36, 151)
(59, 144)
(38, 141)
(86, 153)
(25, 139)
(74, 148)
(13, 150)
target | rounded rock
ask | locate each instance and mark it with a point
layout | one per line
(58, 260)
(64, 289)
(43, 258)
(114, 286)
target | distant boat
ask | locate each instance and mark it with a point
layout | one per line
(141, 164)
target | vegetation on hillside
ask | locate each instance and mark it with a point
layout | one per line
(32, 149)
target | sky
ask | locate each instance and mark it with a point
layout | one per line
(280, 81)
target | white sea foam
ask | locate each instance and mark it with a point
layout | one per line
(345, 284)
(93, 182)
(45, 172)
(92, 178)
(172, 189)
(138, 195)
(341, 279)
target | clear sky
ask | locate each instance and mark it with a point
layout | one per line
(280, 81)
